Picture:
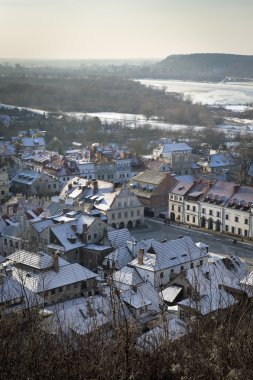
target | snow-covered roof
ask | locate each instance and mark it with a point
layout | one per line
(50, 279)
(227, 271)
(216, 299)
(120, 256)
(27, 176)
(141, 295)
(39, 260)
(174, 329)
(42, 225)
(64, 233)
(170, 293)
(127, 276)
(220, 160)
(159, 256)
(119, 238)
(11, 290)
(33, 142)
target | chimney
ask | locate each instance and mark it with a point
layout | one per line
(94, 185)
(85, 234)
(141, 256)
(56, 261)
(235, 187)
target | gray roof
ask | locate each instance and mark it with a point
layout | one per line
(175, 147)
(27, 176)
(119, 238)
(68, 274)
(42, 225)
(150, 176)
(11, 289)
(38, 260)
(127, 276)
(64, 232)
(121, 256)
(160, 256)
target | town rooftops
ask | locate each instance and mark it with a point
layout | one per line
(150, 176)
(27, 176)
(242, 198)
(33, 142)
(174, 148)
(219, 160)
(119, 238)
(182, 187)
(160, 256)
(50, 279)
(39, 260)
(219, 193)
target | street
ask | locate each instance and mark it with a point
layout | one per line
(218, 244)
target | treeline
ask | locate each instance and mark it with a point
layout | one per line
(214, 347)
(98, 95)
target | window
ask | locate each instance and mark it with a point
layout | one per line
(76, 285)
(132, 213)
(239, 231)
(179, 209)
(182, 268)
(203, 210)
(191, 265)
(89, 237)
(2, 192)
(53, 291)
(61, 289)
(245, 233)
(194, 208)
(171, 197)
(172, 271)
(161, 275)
(193, 219)
(210, 212)
(226, 217)
(236, 219)
(125, 204)
(5, 241)
(187, 218)
(218, 214)
(16, 244)
(119, 204)
(172, 207)
(138, 212)
(226, 228)
(95, 235)
(119, 215)
(113, 216)
(245, 221)
(233, 230)
(68, 287)
(125, 213)
(187, 207)
(11, 243)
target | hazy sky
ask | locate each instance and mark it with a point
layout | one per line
(123, 28)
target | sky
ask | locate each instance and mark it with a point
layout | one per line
(96, 29)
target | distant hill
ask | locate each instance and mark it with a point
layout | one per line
(215, 67)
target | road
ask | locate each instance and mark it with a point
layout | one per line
(219, 244)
